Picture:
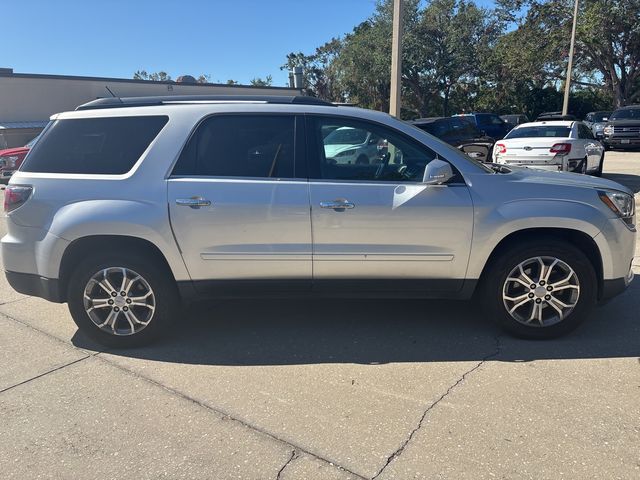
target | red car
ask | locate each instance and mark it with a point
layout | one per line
(11, 159)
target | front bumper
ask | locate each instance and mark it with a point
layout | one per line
(36, 286)
(613, 288)
(622, 142)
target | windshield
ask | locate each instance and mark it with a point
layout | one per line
(630, 113)
(600, 116)
(540, 131)
(32, 142)
(346, 136)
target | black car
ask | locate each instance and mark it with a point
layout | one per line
(515, 118)
(489, 123)
(549, 116)
(623, 128)
(460, 133)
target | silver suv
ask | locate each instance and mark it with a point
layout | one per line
(127, 207)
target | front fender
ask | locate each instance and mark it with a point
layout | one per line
(139, 219)
(491, 226)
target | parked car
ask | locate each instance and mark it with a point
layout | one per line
(11, 159)
(460, 133)
(352, 145)
(549, 116)
(596, 121)
(555, 145)
(623, 128)
(129, 208)
(489, 123)
(514, 119)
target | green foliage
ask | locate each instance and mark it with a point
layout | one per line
(262, 82)
(458, 56)
(155, 76)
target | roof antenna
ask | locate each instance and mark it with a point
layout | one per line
(109, 90)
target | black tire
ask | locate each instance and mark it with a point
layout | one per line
(583, 166)
(494, 280)
(362, 160)
(166, 297)
(598, 172)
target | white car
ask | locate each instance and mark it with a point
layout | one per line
(552, 145)
(352, 146)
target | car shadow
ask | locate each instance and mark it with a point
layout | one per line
(628, 180)
(294, 332)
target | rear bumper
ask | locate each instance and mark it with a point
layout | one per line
(36, 286)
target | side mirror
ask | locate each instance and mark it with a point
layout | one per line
(437, 172)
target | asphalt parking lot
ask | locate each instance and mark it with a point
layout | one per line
(324, 390)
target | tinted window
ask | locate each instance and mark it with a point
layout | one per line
(540, 131)
(600, 116)
(629, 114)
(438, 129)
(241, 146)
(584, 132)
(386, 156)
(93, 145)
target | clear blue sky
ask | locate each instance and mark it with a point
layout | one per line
(228, 39)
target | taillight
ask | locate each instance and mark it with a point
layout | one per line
(502, 148)
(561, 148)
(16, 195)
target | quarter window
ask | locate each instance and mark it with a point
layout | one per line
(355, 150)
(107, 146)
(260, 146)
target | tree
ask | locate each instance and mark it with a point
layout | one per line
(320, 75)
(607, 55)
(163, 76)
(262, 82)
(155, 76)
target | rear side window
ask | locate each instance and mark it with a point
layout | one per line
(257, 146)
(107, 146)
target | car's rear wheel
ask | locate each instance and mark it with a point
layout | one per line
(122, 300)
(540, 290)
(598, 171)
(362, 160)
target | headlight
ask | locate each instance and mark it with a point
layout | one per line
(599, 126)
(622, 204)
(9, 161)
(608, 130)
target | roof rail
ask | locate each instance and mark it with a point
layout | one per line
(121, 102)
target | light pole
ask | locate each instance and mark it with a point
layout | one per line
(567, 83)
(396, 60)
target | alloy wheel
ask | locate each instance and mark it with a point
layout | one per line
(541, 291)
(119, 301)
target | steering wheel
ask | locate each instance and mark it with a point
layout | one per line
(383, 165)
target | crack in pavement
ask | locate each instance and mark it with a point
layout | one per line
(173, 391)
(402, 447)
(294, 455)
(228, 416)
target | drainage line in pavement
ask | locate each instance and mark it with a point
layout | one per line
(45, 373)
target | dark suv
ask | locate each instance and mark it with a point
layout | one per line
(623, 128)
(489, 123)
(460, 133)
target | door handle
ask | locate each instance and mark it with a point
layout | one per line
(193, 202)
(338, 205)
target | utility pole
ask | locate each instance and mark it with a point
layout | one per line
(567, 83)
(396, 60)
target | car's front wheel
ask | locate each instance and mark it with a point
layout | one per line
(540, 290)
(122, 300)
